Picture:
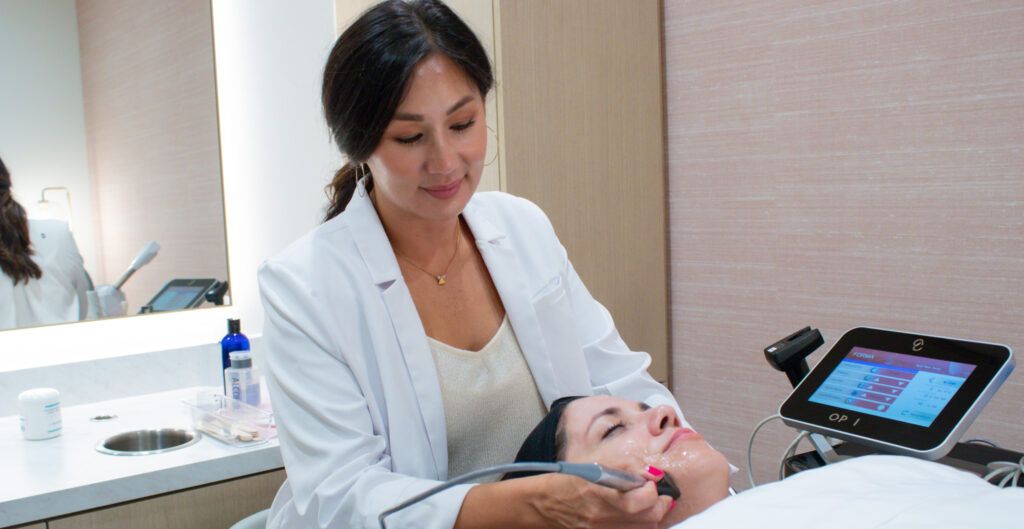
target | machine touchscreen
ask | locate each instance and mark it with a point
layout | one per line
(901, 387)
(180, 294)
(898, 392)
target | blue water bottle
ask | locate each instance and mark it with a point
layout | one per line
(234, 341)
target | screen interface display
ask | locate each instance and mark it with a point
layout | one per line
(175, 298)
(901, 387)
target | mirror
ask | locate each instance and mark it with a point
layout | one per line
(110, 125)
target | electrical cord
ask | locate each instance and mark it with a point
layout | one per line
(1013, 472)
(981, 441)
(750, 447)
(790, 450)
(592, 472)
(501, 469)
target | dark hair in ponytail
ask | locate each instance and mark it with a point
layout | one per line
(367, 72)
(15, 245)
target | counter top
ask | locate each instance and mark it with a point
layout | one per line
(42, 480)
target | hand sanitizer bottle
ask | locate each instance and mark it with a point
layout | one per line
(242, 385)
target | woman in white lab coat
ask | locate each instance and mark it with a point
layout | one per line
(424, 329)
(44, 276)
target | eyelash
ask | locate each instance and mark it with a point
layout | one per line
(611, 429)
(459, 128)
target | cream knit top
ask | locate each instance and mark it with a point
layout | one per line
(490, 400)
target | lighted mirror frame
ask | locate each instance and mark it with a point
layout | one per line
(255, 151)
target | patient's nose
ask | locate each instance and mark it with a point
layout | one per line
(661, 418)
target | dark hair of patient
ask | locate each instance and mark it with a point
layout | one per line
(546, 443)
(367, 74)
(15, 245)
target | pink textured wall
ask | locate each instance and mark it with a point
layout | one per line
(839, 164)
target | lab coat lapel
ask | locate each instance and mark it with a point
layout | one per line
(420, 371)
(510, 280)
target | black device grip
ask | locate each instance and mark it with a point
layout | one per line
(667, 487)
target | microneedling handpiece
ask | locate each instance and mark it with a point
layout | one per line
(592, 472)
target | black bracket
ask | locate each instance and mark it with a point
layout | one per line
(216, 293)
(789, 354)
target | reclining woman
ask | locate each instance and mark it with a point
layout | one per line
(870, 491)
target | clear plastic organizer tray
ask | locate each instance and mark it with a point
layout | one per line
(230, 421)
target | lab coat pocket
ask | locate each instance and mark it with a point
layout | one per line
(550, 293)
(558, 326)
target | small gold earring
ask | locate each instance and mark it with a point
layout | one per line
(361, 173)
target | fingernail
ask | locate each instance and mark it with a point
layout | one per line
(655, 471)
(672, 505)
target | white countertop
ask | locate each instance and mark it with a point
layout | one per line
(41, 480)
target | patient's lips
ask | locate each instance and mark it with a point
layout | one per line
(680, 434)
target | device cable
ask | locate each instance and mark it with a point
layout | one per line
(1013, 472)
(750, 447)
(981, 441)
(790, 450)
(592, 472)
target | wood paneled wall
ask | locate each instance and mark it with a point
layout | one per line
(153, 141)
(837, 165)
(215, 506)
(582, 136)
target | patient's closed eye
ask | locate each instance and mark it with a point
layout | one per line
(612, 429)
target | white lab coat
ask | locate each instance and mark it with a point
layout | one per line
(59, 296)
(352, 380)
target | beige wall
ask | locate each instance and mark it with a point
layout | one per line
(581, 92)
(153, 145)
(836, 165)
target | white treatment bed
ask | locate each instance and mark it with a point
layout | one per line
(867, 492)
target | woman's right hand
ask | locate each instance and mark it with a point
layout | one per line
(566, 501)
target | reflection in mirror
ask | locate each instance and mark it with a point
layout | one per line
(110, 138)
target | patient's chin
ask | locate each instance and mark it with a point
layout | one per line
(703, 481)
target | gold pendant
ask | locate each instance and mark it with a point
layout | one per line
(441, 280)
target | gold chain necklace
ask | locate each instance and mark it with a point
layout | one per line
(443, 278)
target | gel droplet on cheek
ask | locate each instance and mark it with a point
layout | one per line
(631, 449)
(679, 462)
(629, 453)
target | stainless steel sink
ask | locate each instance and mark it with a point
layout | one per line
(146, 442)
